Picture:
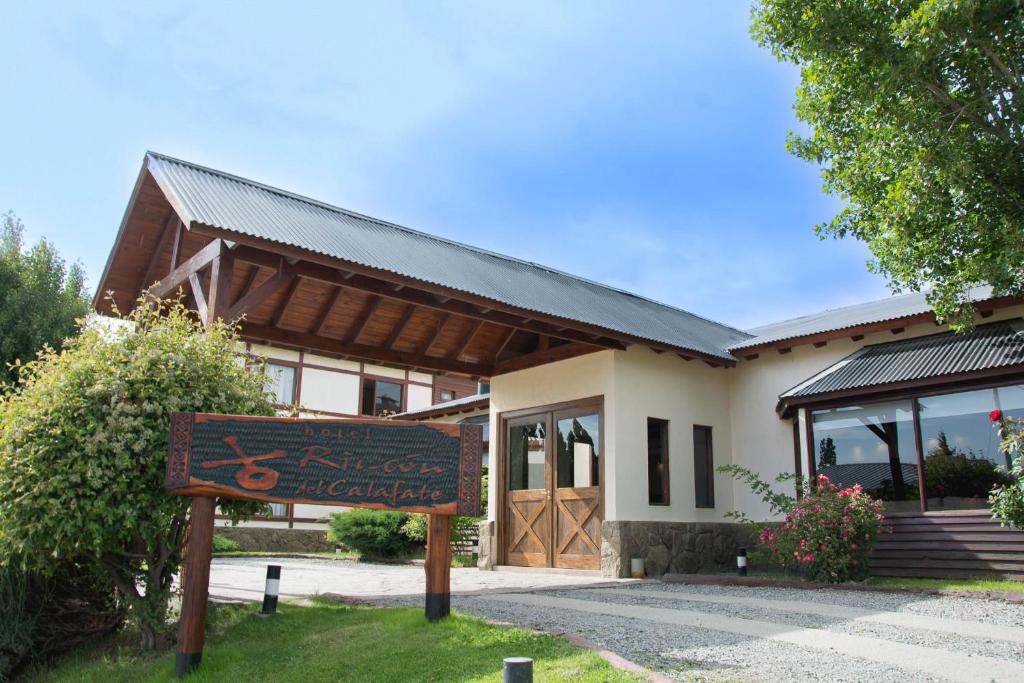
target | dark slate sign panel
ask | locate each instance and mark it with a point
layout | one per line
(382, 464)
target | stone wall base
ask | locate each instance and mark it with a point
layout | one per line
(487, 554)
(270, 540)
(670, 547)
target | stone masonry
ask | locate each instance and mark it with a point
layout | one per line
(670, 547)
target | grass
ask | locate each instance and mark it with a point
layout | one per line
(989, 585)
(331, 642)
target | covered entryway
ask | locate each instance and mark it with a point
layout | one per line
(553, 501)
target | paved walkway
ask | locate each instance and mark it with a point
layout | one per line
(702, 633)
(243, 578)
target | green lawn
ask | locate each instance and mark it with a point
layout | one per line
(990, 585)
(332, 642)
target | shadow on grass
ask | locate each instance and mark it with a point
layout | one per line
(332, 642)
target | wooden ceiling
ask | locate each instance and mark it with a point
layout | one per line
(281, 296)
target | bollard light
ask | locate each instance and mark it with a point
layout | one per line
(518, 670)
(271, 591)
(741, 561)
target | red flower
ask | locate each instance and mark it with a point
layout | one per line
(995, 415)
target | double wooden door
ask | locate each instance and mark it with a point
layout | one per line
(553, 500)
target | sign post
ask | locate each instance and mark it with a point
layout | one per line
(377, 464)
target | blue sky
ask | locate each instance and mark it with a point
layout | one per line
(639, 145)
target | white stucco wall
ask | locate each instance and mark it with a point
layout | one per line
(568, 380)
(418, 397)
(686, 393)
(332, 391)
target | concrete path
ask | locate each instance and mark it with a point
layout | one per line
(942, 664)
(242, 578)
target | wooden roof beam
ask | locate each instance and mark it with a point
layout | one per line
(505, 339)
(170, 227)
(437, 332)
(467, 340)
(321, 318)
(282, 306)
(305, 340)
(266, 289)
(551, 355)
(177, 277)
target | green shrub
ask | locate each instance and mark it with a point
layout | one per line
(1007, 499)
(373, 533)
(225, 544)
(83, 450)
(415, 529)
(43, 615)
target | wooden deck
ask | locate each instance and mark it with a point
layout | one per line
(949, 544)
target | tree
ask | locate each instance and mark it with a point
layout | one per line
(827, 451)
(42, 299)
(916, 118)
(83, 450)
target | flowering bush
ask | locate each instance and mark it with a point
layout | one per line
(1007, 500)
(828, 534)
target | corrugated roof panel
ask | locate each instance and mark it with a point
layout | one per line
(893, 308)
(996, 345)
(241, 206)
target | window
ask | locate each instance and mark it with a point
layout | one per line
(961, 447)
(871, 445)
(579, 451)
(278, 509)
(447, 395)
(527, 444)
(703, 467)
(381, 399)
(657, 461)
(279, 380)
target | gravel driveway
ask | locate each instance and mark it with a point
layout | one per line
(770, 634)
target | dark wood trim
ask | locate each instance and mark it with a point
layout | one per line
(196, 284)
(282, 306)
(919, 448)
(250, 279)
(798, 469)
(372, 354)
(666, 479)
(812, 464)
(551, 355)
(266, 289)
(221, 274)
(710, 456)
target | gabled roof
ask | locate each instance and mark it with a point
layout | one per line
(225, 202)
(890, 309)
(989, 347)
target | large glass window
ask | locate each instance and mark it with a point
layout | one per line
(578, 451)
(871, 445)
(961, 446)
(279, 380)
(527, 448)
(381, 399)
(657, 462)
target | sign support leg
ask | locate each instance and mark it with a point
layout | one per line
(192, 627)
(438, 567)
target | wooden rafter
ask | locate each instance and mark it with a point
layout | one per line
(250, 280)
(437, 332)
(399, 327)
(196, 283)
(505, 339)
(466, 340)
(359, 326)
(219, 300)
(321, 318)
(266, 289)
(426, 299)
(551, 355)
(313, 342)
(154, 258)
(179, 237)
(282, 306)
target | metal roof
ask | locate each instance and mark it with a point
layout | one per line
(455, 406)
(996, 345)
(893, 308)
(219, 200)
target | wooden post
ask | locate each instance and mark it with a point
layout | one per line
(192, 627)
(438, 566)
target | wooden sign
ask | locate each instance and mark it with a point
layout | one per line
(382, 464)
(379, 464)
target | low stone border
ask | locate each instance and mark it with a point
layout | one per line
(760, 582)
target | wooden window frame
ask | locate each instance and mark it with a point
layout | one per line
(710, 455)
(296, 367)
(666, 485)
(402, 384)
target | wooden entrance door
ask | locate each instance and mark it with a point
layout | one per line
(554, 497)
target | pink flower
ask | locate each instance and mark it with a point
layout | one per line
(853, 546)
(996, 415)
(821, 546)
